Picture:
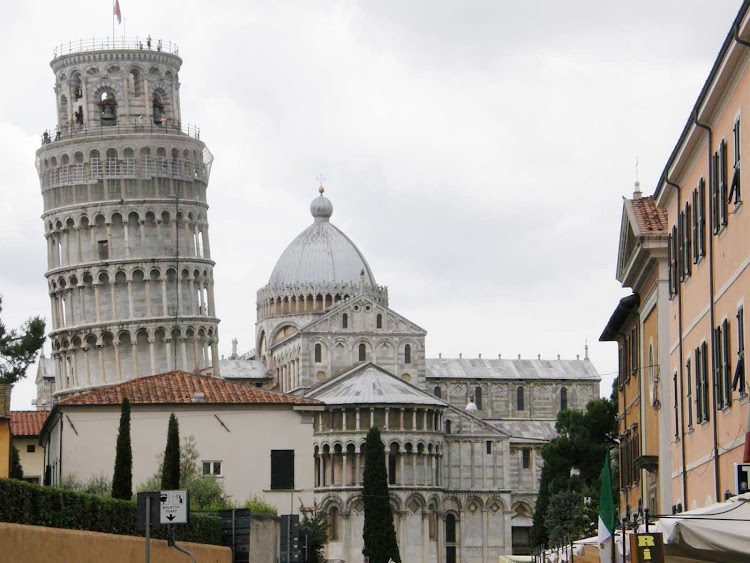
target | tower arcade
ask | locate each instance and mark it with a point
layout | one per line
(124, 182)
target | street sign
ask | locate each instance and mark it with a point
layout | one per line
(741, 478)
(174, 507)
(647, 548)
(141, 510)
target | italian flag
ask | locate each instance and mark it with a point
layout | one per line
(606, 515)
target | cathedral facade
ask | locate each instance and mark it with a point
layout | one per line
(462, 436)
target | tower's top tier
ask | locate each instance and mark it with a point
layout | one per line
(131, 83)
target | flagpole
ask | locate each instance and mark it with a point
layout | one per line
(113, 24)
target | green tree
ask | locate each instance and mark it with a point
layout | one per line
(170, 477)
(317, 520)
(206, 492)
(16, 470)
(568, 503)
(18, 348)
(122, 480)
(379, 534)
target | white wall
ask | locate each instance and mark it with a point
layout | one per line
(245, 451)
(32, 463)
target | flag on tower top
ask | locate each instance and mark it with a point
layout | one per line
(117, 11)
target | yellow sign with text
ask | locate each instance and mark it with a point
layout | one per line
(647, 548)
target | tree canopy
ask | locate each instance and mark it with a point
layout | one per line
(122, 480)
(18, 348)
(170, 477)
(568, 501)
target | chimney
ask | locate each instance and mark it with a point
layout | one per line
(637, 194)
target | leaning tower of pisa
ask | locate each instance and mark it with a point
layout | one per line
(124, 182)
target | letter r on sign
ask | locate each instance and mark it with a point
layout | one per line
(646, 541)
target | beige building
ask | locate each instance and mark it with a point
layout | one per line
(25, 427)
(257, 442)
(640, 326)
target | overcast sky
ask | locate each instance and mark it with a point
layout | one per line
(477, 152)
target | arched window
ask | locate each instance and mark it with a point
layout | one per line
(318, 353)
(519, 398)
(563, 399)
(447, 426)
(379, 321)
(436, 392)
(158, 109)
(362, 353)
(478, 397)
(344, 321)
(407, 354)
(108, 109)
(333, 523)
(450, 528)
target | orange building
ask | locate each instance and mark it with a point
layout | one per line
(708, 277)
(638, 324)
(4, 430)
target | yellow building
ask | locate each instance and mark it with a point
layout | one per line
(708, 277)
(25, 427)
(4, 430)
(638, 324)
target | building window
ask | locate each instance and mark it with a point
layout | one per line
(734, 190)
(723, 184)
(634, 353)
(698, 385)
(436, 392)
(344, 321)
(687, 261)
(526, 458)
(432, 525)
(318, 353)
(392, 468)
(333, 524)
(362, 353)
(700, 210)
(519, 398)
(563, 399)
(103, 247)
(448, 426)
(702, 401)
(212, 468)
(689, 394)
(30, 448)
(489, 447)
(673, 258)
(407, 354)
(379, 321)
(450, 528)
(478, 397)
(282, 469)
(722, 371)
(739, 374)
(676, 411)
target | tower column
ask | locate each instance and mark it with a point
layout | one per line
(152, 355)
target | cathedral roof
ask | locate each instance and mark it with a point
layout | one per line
(369, 384)
(321, 254)
(464, 368)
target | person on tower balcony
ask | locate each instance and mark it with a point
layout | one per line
(163, 120)
(158, 45)
(148, 41)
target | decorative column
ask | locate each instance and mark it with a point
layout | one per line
(117, 360)
(130, 298)
(164, 301)
(170, 356)
(147, 287)
(152, 354)
(134, 349)
(357, 413)
(183, 348)
(86, 363)
(126, 235)
(372, 417)
(100, 354)
(387, 413)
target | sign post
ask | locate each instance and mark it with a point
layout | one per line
(147, 516)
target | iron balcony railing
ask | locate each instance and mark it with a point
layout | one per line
(116, 43)
(66, 132)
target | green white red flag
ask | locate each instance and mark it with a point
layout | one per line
(606, 515)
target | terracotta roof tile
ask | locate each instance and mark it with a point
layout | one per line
(27, 423)
(180, 387)
(650, 218)
(5, 400)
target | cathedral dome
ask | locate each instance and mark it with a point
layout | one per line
(321, 254)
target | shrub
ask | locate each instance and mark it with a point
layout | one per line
(24, 503)
(257, 505)
(98, 485)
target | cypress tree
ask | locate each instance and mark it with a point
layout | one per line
(16, 470)
(122, 481)
(170, 477)
(379, 534)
